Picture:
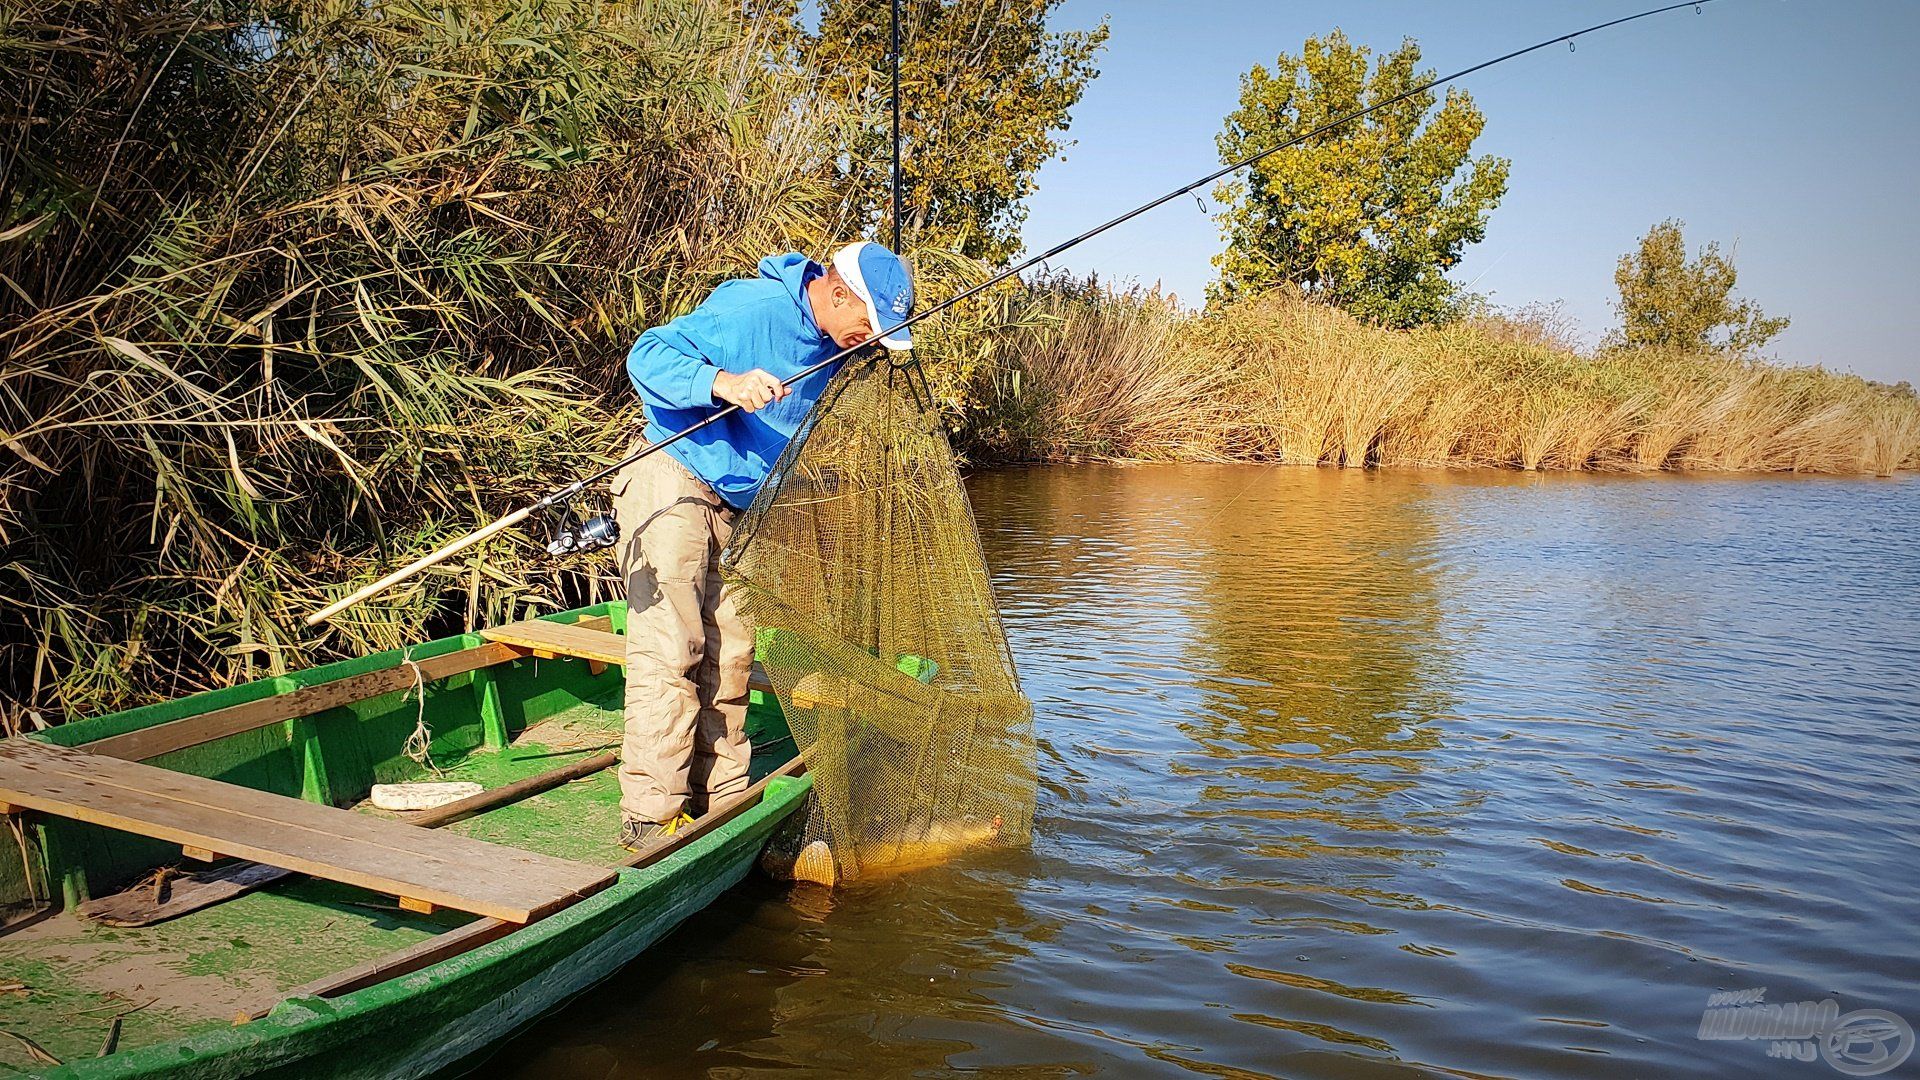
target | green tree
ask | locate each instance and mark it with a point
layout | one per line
(1667, 301)
(1368, 216)
(985, 90)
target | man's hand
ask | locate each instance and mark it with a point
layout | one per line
(751, 391)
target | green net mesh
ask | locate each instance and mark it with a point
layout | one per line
(860, 566)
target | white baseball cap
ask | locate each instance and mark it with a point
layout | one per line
(880, 279)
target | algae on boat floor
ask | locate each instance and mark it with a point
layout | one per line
(197, 971)
(194, 972)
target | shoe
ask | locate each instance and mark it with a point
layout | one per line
(635, 835)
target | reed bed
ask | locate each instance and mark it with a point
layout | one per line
(1126, 375)
(292, 293)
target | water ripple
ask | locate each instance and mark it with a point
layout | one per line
(1374, 774)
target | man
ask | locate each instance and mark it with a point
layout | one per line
(689, 651)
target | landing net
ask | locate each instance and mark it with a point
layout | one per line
(861, 568)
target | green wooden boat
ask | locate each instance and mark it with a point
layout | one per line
(329, 978)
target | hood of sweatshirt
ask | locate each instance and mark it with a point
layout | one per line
(794, 270)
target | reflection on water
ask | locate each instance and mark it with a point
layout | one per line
(1350, 774)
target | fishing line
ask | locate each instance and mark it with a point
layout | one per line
(568, 492)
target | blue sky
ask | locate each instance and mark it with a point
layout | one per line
(1787, 130)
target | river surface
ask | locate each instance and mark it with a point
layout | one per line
(1373, 774)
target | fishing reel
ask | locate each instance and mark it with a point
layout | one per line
(571, 537)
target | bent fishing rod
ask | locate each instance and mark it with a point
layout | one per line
(562, 495)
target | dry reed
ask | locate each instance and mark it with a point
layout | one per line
(1279, 379)
(290, 293)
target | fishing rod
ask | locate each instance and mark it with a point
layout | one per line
(563, 494)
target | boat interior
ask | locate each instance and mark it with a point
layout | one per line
(192, 863)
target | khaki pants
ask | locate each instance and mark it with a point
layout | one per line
(689, 651)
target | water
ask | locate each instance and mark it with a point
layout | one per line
(1373, 774)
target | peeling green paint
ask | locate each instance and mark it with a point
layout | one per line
(204, 966)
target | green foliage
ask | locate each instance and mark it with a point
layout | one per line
(985, 88)
(295, 289)
(292, 291)
(964, 349)
(1369, 216)
(1668, 302)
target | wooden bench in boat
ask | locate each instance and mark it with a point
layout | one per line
(591, 640)
(424, 869)
(480, 931)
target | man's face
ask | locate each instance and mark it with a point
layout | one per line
(844, 315)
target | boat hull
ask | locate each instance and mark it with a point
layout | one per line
(496, 719)
(446, 1018)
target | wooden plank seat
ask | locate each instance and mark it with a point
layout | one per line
(586, 640)
(146, 742)
(425, 869)
(591, 640)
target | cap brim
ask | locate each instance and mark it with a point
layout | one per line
(898, 337)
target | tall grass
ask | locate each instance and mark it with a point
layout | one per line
(1067, 374)
(1276, 378)
(293, 291)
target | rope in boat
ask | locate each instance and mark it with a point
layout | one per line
(419, 745)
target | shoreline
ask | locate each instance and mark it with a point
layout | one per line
(1099, 374)
(1622, 471)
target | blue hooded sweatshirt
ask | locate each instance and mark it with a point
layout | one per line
(763, 322)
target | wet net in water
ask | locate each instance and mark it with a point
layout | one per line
(860, 567)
